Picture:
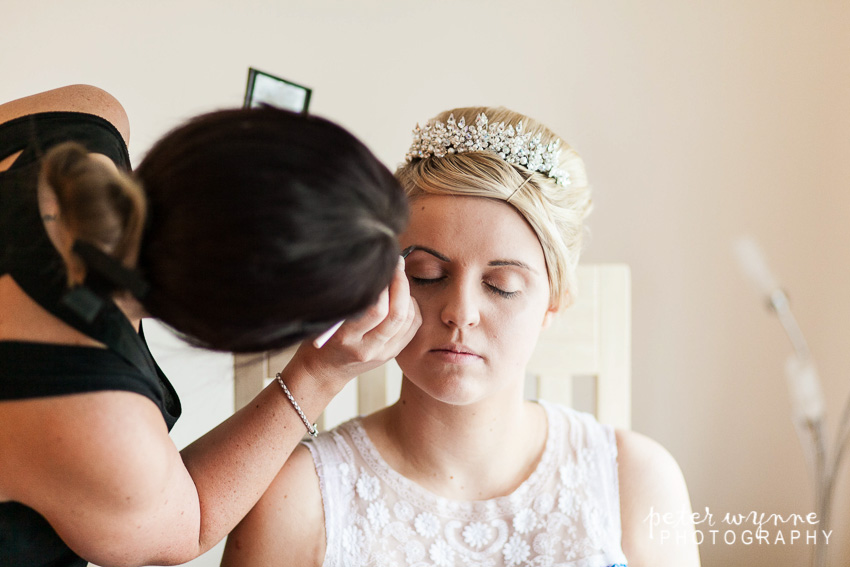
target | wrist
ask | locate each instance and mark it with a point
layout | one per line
(329, 377)
(311, 390)
(311, 427)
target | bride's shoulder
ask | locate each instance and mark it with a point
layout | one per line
(288, 521)
(651, 485)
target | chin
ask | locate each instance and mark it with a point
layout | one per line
(452, 388)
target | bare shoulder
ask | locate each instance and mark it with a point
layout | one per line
(639, 454)
(103, 456)
(286, 527)
(655, 507)
(72, 98)
(75, 431)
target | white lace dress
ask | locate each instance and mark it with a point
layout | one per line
(566, 514)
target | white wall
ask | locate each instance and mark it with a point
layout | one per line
(699, 121)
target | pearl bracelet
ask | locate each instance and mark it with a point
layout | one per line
(311, 428)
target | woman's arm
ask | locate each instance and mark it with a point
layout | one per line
(287, 526)
(103, 471)
(235, 463)
(655, 509)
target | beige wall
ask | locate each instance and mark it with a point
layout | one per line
(699, 121)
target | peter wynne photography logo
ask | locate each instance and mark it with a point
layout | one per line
(750, 528)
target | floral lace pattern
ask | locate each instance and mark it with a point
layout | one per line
(565, 514)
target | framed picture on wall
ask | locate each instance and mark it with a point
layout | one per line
(264, 88)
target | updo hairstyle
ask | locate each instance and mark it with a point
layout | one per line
(556, 213)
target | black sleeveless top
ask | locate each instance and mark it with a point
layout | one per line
(32, 370)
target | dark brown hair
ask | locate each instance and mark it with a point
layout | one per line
(263, 227)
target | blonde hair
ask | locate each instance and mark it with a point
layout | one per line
(556, 213)
(98, 204)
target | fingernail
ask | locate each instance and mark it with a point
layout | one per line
(401, 263)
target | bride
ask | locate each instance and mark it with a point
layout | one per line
(462, 470)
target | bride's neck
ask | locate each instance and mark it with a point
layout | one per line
(471, 452)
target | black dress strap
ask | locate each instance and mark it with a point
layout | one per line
(26, 252)
(34, 134)
(39, 369)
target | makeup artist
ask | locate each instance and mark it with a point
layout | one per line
(243, 230)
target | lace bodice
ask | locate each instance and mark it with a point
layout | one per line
(565, 514)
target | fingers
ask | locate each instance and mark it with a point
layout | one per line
(356, 329)
(404, 330)
(387, 326)
(414, 323)
(399, 311)
(391, 313)
(363, 343)
(383, 319)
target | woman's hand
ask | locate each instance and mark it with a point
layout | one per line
(366, 342)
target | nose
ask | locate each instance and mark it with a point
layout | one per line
(461, 308)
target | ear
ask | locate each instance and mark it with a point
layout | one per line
(550, 315)
(57, 230)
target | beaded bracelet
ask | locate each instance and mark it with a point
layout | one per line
(311, 428)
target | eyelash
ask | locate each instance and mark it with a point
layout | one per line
(503, 293)
(491, 287)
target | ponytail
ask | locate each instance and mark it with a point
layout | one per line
(98, 205)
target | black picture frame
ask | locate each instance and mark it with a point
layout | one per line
(265, 88)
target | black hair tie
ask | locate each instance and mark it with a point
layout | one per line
(104, 276)
(111, 271)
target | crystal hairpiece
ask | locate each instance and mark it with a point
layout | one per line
(508, 142)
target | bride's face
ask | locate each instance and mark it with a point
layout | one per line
(479, 275)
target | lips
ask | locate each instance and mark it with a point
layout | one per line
(455, 348)
(454, 353)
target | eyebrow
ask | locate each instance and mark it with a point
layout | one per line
(444, 258)
(431, 251)
(516, 263)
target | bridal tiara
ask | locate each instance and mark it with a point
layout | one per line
(508, 142)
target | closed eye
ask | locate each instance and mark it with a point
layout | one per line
(501, 292)
(490, 287)
(426, 281)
